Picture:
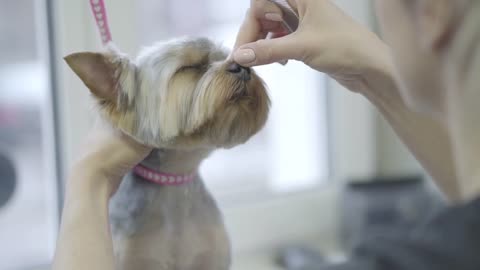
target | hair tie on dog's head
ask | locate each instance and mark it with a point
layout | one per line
(100, 14)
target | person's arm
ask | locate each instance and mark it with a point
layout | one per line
(426, 138)
(330, 41)
(84, 240)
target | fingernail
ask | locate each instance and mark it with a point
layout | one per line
(244, 56)
(273, 17)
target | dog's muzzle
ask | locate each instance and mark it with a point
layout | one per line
(243, 73)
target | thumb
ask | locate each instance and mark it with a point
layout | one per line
(267, 51)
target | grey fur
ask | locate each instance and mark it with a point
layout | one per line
(182, 222)
(128, 205)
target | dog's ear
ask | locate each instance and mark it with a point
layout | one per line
(99, 72)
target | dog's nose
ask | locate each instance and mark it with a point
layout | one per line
(239, 71)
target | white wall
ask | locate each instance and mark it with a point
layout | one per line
(383, 154)
(353, 118)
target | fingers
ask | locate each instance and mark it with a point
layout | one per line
(136, 150)
(264, 9)
(104, 143)
(127, 154)
(263, 17)
(269, 51)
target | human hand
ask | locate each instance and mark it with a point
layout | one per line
(327, 40)
(107, 156)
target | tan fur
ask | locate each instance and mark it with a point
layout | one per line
(180, 98)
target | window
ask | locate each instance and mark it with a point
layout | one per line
(28, 216)
(291, 152)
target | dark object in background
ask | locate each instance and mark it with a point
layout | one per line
(449, 240)
(386, 206)
(379, 206)
(298, 257)
(7, 179)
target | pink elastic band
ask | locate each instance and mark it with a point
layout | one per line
(161, 178)
(100, 14)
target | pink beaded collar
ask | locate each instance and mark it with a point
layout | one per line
(161, 178)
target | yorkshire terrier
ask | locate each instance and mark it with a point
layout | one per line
(185, 99)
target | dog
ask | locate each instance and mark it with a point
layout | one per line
(185, 98)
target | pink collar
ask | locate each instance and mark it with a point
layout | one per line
(166, 179)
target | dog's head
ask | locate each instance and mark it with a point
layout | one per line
(178, 94)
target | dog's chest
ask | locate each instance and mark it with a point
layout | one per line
(167, 228)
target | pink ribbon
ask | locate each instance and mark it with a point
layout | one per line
(100, 14)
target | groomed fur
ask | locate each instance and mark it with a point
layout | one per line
(179, 94)
(185, 99)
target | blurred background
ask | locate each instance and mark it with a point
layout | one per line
(324, 173)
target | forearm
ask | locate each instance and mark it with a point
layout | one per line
(426, 138)
(85, 241)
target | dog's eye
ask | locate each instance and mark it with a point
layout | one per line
(191, 67)
(198, 67)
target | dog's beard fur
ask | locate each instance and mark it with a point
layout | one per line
(177, 94)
